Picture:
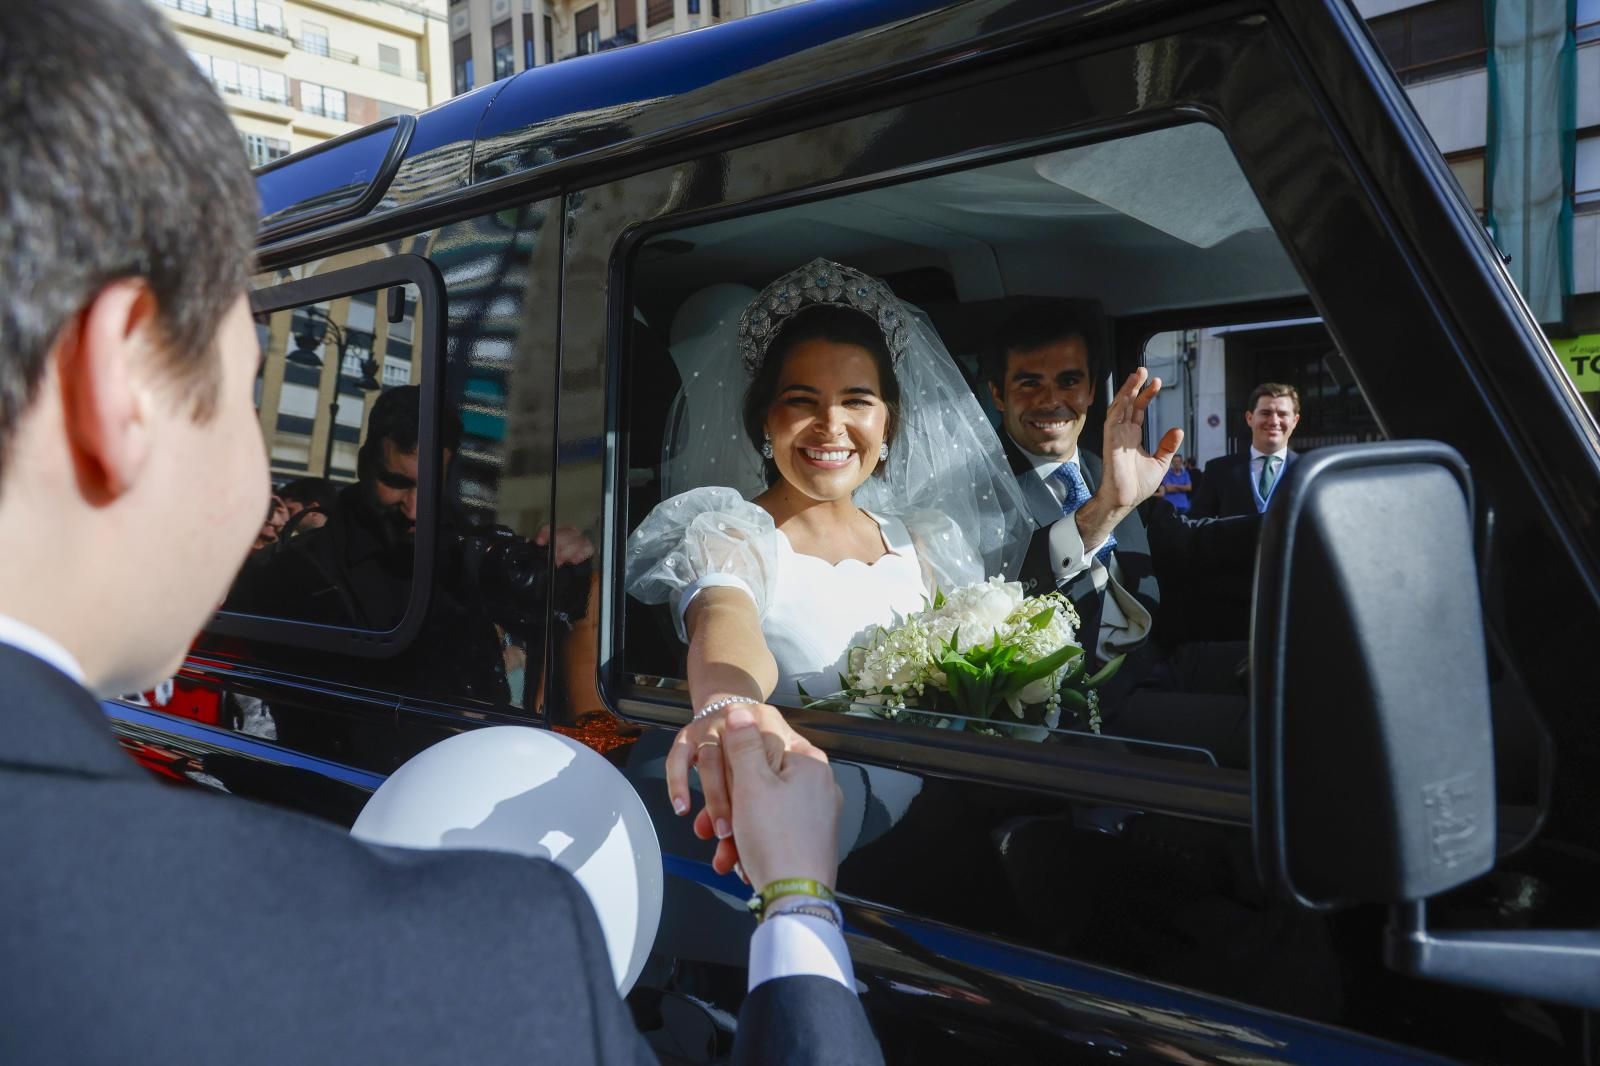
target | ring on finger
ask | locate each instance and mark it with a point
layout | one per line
(706, 744)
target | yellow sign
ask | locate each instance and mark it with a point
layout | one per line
(1581, 357)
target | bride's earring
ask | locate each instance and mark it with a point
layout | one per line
(766, 445)
(883, 451)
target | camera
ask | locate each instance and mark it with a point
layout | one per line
(509, 579)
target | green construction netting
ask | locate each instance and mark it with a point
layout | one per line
(1531, 148)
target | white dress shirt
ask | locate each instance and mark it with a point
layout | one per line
(1259, 457)
(25, 638)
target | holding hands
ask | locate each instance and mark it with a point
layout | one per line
(765, 786)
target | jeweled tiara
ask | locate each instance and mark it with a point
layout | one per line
(820, 281)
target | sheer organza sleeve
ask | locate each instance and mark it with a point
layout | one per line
(704, 538)
(947, 556)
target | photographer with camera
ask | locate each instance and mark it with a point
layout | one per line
(489, 591)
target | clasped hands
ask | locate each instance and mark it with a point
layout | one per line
(771, 802)
(1129, 475)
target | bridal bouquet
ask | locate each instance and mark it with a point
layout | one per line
(984, 652)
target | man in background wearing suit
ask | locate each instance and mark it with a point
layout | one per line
(1119, 555)
(139, 923)
(1243, 484)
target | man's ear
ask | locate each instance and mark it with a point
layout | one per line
(105, 360)
(997, 396)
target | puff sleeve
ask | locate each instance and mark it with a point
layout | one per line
(704, 538)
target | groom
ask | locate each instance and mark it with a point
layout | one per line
(1102, 540)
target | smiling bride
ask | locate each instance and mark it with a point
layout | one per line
(884, 481)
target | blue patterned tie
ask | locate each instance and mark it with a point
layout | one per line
(1077, 494)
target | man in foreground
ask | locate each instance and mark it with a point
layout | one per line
(1243, 484)
(143, 924)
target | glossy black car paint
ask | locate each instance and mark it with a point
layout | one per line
(1048, 903)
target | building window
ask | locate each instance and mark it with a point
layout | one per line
(505, 63)
(527, 42)
(587, 27)
(243, 79)
(321, 100)
(225, 74)
(314, 38)
(389, 59)
(1586, 189)
(694, 7)
(1468, 168)
(263, 150)
(1433, 39)
(627, 17)
(461, 61)
(657, 12)
(1588, 20)
(389, 109)
(549, 40)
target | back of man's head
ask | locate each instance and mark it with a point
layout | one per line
(116, 161)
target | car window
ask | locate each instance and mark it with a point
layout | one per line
(339, 397)
(1106, 237)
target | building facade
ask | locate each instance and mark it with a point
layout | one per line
(1463, 64)
(294, 73)
(493, 39)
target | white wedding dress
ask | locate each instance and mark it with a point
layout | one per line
(812, 612)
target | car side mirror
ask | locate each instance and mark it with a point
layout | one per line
(1373, 755)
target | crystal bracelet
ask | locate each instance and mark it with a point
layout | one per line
(717, 705)
(828, 912)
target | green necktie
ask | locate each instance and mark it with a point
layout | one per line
(1269, 474)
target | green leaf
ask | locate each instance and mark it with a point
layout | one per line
(1105, 673)
(806, 695)
(938, 598)
(1074, 700)
(1030, 673)
(1042, 619)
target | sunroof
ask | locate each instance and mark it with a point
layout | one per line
(343, 177)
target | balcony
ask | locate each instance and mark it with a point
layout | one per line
(243, 16)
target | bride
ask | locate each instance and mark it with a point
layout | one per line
(883, 480)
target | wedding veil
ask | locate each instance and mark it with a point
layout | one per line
(946, 476)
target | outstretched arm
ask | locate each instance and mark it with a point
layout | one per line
(728, 658)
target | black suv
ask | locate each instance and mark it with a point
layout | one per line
(1234, 190)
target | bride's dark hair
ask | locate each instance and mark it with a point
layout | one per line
(819, 322)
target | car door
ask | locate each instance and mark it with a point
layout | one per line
(1093, 897)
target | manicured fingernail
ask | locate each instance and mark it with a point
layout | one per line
(680, 804)
(738, 869)
(724, 830)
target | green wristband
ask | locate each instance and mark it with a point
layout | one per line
(789, 886)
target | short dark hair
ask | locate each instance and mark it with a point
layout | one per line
(819, 322)
(1034, 326)
(1274, 389)
(311, 491)
(396, 416)
(117, 160)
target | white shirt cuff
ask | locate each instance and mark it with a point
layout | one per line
(1068, 558)
(798, 945)
(700, 584)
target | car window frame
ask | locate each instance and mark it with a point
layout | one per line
(428, 347)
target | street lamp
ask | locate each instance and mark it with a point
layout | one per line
(315, 328)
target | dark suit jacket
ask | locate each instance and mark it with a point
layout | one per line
(1225, 486)
(1176, 565)
(145, 924)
